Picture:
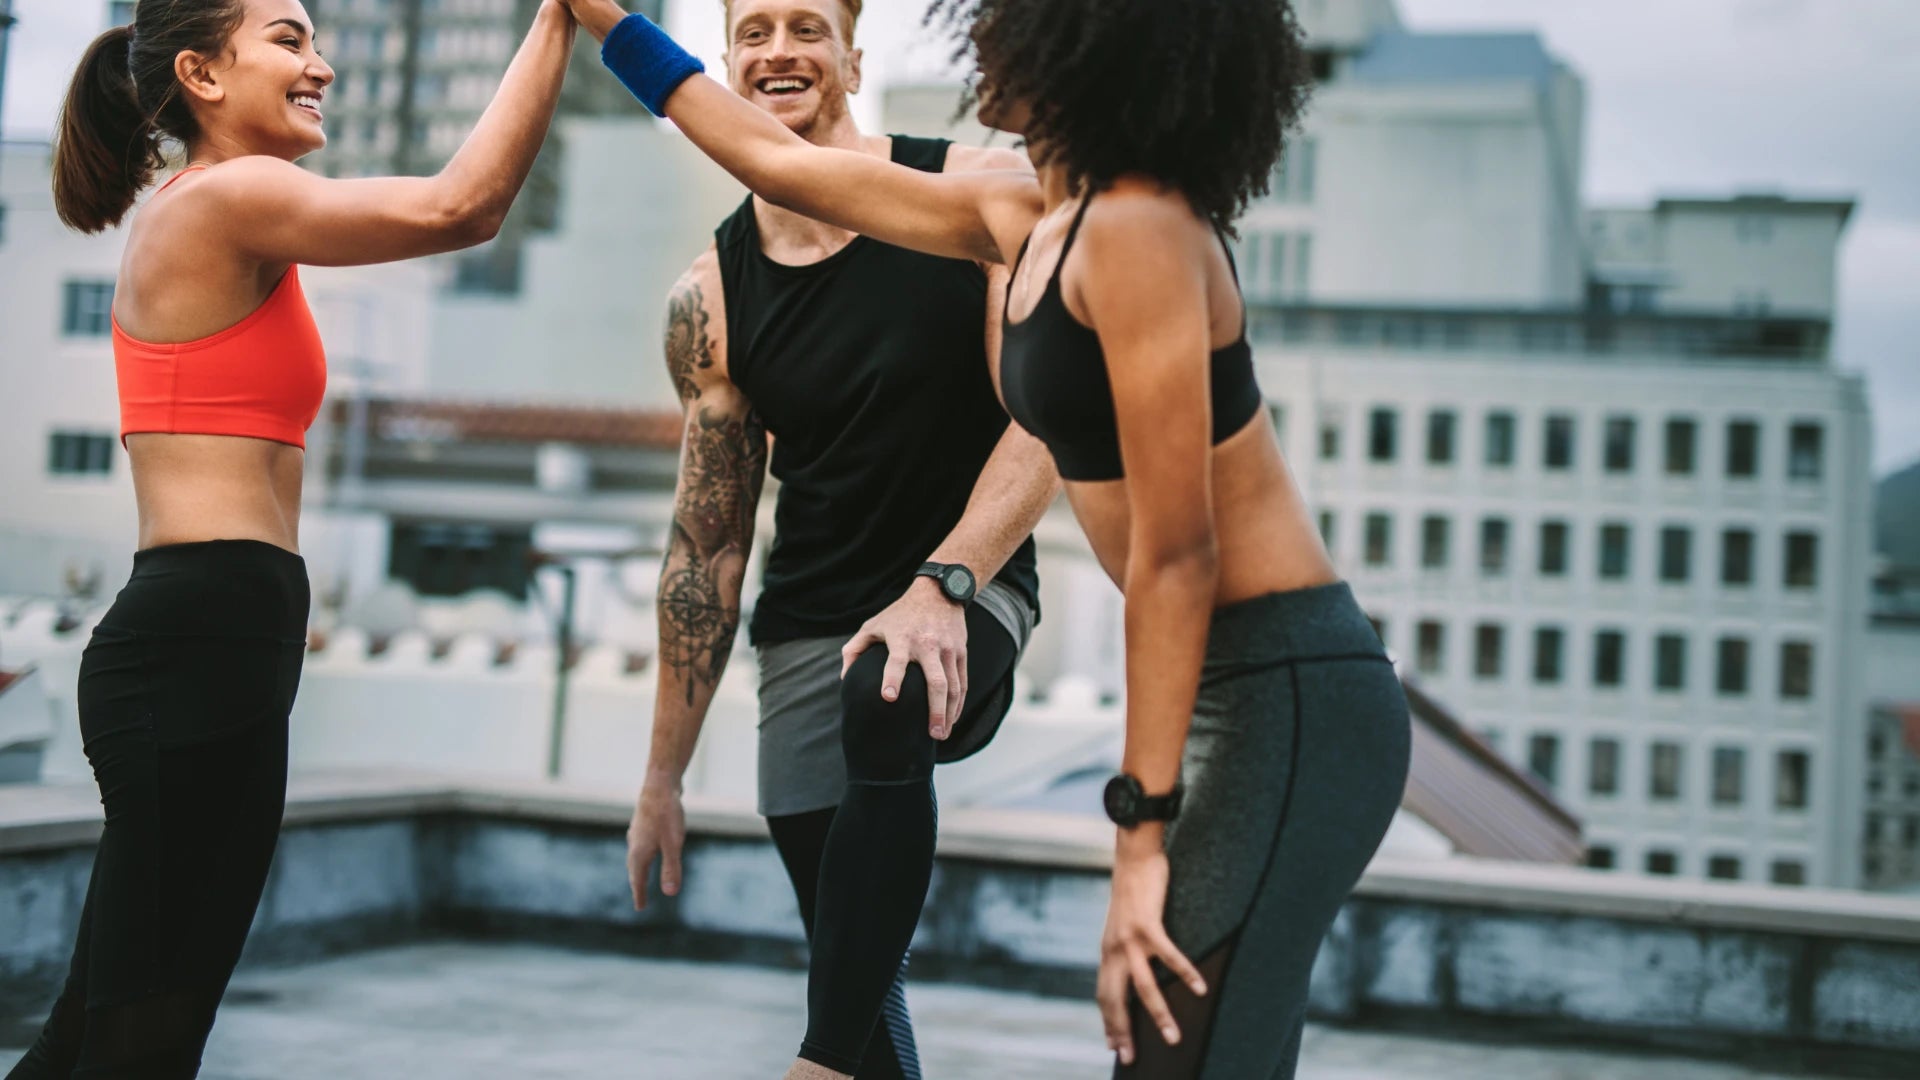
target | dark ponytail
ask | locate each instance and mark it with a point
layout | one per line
(124, 103)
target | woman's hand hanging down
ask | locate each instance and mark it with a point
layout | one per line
(1135, 936)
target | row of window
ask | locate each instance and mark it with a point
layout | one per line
(1619, 450)
(1800, 565)
(1666, 863)
(1880, 829)
(1732, 656)
(71, 453)
(1276, 265)
(1666, 772)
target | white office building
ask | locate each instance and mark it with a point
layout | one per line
(1592, 471)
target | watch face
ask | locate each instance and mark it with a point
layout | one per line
(1122, 802)
(959, 582)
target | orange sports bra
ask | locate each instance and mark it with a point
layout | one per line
(263, 378)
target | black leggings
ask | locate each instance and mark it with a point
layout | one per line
(877, 859)
(184, 693)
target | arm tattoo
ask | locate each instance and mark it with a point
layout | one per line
(722, 468)
(687, 346)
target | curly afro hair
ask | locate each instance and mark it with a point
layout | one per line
(1198, 94)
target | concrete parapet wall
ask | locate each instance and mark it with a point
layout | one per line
(1019, 899)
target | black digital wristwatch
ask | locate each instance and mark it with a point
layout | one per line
(956, 581)
(1128, 803)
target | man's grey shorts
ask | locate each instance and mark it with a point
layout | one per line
(802, 768)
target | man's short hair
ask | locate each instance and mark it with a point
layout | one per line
(851, 7)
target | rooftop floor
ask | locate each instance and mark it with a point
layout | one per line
(458, 1011)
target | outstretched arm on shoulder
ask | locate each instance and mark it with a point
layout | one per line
(980, 215)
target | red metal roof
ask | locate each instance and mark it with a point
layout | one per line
(443, 420)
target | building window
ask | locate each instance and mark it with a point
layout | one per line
(1796, 670)
(1277, 413)
(1600, 857)
(1670, 662)
(1803, 559)
(1732, 675)
(1293, 178)
(1789, 872)
(1743, 449)
(1548, 644)
(1676, 554)
(119, 12)
(1614, 547)
(1736, 557)
(1543, 758)
(1790, 780)
(1663, 782)
(1303, 264)
(1553, 549)
(1430, 647)
(1382, 435)
(1724, 867)
(1493, 546)
(1327, 529)
(453, 558)
(1805, 453)
(1753, 228)
(73, 453)
(1487, 641)
(1609, 658)
(1379, 540)
(1729, 775)
(1500, 434)
(1440, 424)
(1329, 436)
(87, 309)
(1680, 439)
(1663, 863)
(1559, 446)
(1433, 542)
(1603, 767)
(1379, 628)
(1619, 444)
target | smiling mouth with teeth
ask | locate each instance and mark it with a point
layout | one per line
(306, 101)
(781, 87)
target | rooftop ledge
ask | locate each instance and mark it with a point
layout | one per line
(1725, 971)
(40, 817)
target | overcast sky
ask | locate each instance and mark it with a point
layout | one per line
(1805, 97)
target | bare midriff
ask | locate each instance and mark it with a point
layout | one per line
(216, 487)
(1265, 538)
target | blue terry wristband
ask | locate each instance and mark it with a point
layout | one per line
(651, 64)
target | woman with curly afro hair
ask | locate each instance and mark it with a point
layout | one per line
(1266, 733)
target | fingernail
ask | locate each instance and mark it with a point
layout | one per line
(1126, 1055)
(1171, 1034)
(889, 693)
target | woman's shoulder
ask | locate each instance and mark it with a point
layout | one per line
(1141, 212)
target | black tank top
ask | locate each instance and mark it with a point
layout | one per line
(870, 369)
(1054, 375)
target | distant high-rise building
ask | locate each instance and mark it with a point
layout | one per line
(414, 77)
(1592, 471)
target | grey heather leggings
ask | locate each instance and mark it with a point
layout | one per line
(1295, 765)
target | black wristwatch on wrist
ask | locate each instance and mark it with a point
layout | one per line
(956, 581)
(1128, 803)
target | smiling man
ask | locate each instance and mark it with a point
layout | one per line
(902, 556)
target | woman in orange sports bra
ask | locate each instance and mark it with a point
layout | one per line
(186, 685)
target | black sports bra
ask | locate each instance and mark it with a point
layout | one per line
(1053, 374)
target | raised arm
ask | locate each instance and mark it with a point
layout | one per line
(723, 458)
(981, 215)
(278, 212)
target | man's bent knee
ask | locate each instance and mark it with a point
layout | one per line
(884, 740)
